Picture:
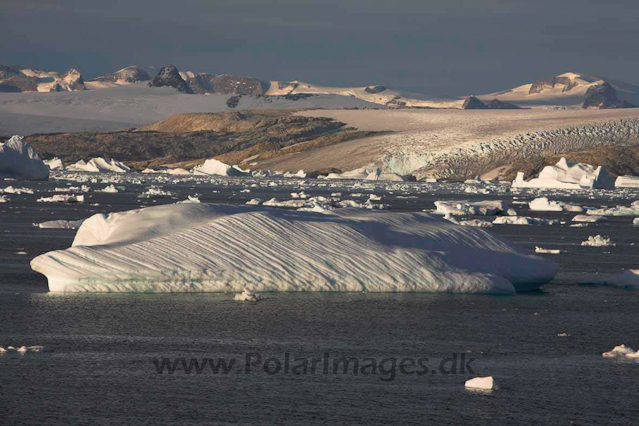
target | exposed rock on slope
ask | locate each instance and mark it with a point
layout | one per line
(225, 84)
(472, 102)
(20, 79)
(190, 138)
(604, 96)
(497, 104)
(128, 75)
(170, 76)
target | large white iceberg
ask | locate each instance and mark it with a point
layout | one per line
(627, 181)
(215, 167)
(18, 159)
(565, 175)
(99, 165)
(219, 248)
(54, 164)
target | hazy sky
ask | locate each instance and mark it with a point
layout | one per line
(453, 47)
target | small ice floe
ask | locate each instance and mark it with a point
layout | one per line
(62, 198)
(563, 335)
(17, 191)
(542, 204)
(464, 208)
(374, 197)
(635, 221)
(523, 220)
(476, 223)
(4, 199)
(254, 202)
(60, 224)
(621, 351)
(589, 218)
(633, 210)
(481, 383)
(111, 189)
(247, 296)
(24, 349)
(190, 200)
(548, 251)
(245, 190)
(579, 225)
(301, 195)
(598, 241)
(155, 191)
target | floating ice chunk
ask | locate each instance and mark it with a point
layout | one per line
(627, 279)
(627, 182)
(208, 247)
(178, 171)
(548, 251)
(633, 210)
(22, 350)
(18, 191)
(99, 165)
(54, 164)
(635, 221)
(564, 175)
(464, 208)
(542, 204)
(621, 351)
(484, 383)
(598, 241)
(155, 192)
(476, 223)
(300, 175)
(254, 202)
(588, 218)
(111, 189)
(523, 220)
(60, 224)
(62, 198)
(18, 159)
(247, 296)
(4, 199)
(216, 167)
(190, 200)
(374, 197)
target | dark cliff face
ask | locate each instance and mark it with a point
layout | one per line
(497, 104)
(604, 96)
(169, 76)
(227, 85)
(549, 83)
(472, 102)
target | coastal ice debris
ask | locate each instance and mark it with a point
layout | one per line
(54, 164)
(247, 296)
(483, 383)
(542, 204)
(565, 175)
(621, 351)
(62, 198)
(627, 182)
(633, 210)
(523, 220)
(18, 191)
(216, 167)
(547, 251)
(99, 165)
(588, 218)
(111, 189)
(220, 248)
(464, 208)
(598, 241)
(18, 159)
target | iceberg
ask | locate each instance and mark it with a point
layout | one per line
(597, 241)
(482, 383)
(18, 159)
(542, 204)
(464, 207)
(223, 248)
(565, 175)
(627, 181)
(99, 165)
(54, 164)
(215, 167)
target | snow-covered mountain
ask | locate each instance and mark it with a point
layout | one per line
(20, 79)
(128, 75)
(571, 90)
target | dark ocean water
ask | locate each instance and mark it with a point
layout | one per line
(101, 368)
